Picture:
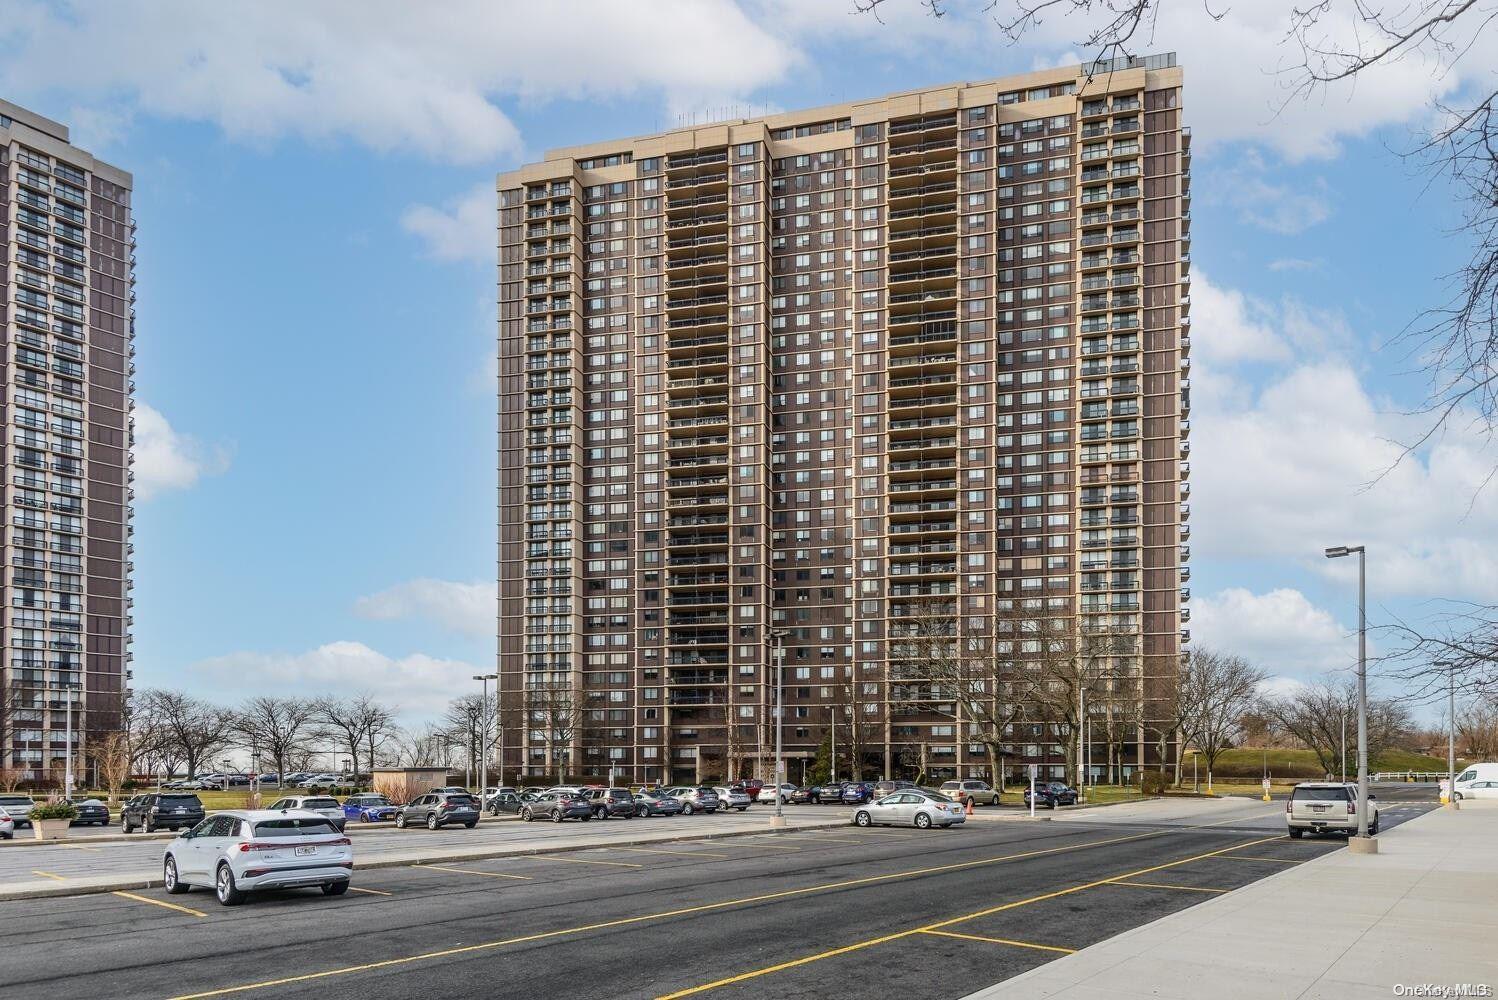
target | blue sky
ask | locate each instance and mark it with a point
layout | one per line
(315, 315)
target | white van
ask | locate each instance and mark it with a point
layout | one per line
(1478, 781)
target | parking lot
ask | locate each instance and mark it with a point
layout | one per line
(882, 912)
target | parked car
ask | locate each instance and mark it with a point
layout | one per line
(769, 794)
(857, 792)
(557, 806)
(438, 809)
(324, 805)
(1477, 781)
(657, 804)
(750, 787)
(17, 807)
(610, 802)
(292, 777)
(91, 812)
(981, 792)
(888, 787)
(508, 801)
(7, 826)
(369, 807)
(238, 852)
(830, 792)
(1052, 794)
(270, 779)
(1327, 807)
(157, 810)
(911, 807)
(324, 780)
(733, 798)
(493, 790)
(695, 799)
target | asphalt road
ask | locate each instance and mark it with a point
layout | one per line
(885, 912)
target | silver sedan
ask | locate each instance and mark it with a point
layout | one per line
(911, 807)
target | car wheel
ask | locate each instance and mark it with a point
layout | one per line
(556, 815)
(335, 888)
(525, 815)
(432, 822)
(365, 818)
(1373, 827)
(471, 824)
(1296, 834)
(687, 809)
(584, 818)
(1456, 796)
(148, 827)
(922, 821)
(862, 818)
(224, 888)
(400, 821)
(125, 826)
(169, 879)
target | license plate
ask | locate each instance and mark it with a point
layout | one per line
(306, 850)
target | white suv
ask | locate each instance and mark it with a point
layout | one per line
(245, 850)
(324, 805)
(1327, 806)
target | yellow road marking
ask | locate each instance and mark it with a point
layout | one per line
(664, 915)
(472, 871)
(372, 892)
(833, 840)
(942, 924)
(582, 861)
(1162, 885)
(688, 854)
(772, 839)
(1247, 857)
(994, 940)
(48, 875)
(157, 902)
(78, 847)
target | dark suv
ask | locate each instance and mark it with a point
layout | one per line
(1052, 794)
(437, 809)
(162, 811)
(610, 802)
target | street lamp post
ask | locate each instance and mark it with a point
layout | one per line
(484, 679)
(778, 635)
(1362, 843)
(1451, 802)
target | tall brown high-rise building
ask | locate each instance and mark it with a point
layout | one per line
(66, 309)
(897, 384)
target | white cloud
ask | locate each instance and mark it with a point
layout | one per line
(1296, 264)
(1280, 631)
(1288, 467)
(163, 459)
(466, 608)
(387, 74)
(417, 687)
(1285, 208)
(464, 229)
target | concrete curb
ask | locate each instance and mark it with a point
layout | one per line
(1023, 813)
(137, 838)
(88, 888)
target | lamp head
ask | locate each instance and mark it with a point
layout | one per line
(1337, 551)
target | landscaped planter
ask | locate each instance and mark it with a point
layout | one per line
(50, 829)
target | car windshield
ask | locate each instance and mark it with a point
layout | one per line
(934, 796)
(319, 803)
(15, 800)
(372, 800)
(460, 800)
(1321, 794)
(180, 800)
(293, 826)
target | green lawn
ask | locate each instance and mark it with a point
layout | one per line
(1248, 763)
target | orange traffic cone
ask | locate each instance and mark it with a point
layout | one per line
(969, 805)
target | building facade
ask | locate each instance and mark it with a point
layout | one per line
(826, 384)
(66, 308)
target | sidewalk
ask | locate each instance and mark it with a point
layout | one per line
(1422, 912)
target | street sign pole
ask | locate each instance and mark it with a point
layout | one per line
(1032, 791)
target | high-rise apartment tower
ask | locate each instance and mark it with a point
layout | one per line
(66, 309)
(883, 388)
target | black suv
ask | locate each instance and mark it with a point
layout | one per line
(609, 802)
(164, 811)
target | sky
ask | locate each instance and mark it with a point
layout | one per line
(316, 451)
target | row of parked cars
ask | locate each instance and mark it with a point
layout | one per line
(294, 779)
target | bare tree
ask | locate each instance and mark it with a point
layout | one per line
(555, 715)
(1477, 729)
(1313, 716)
(276, 728)
(192, 730)
(359, 723)
(987, 677)
(113, 756)
(1220, 689)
